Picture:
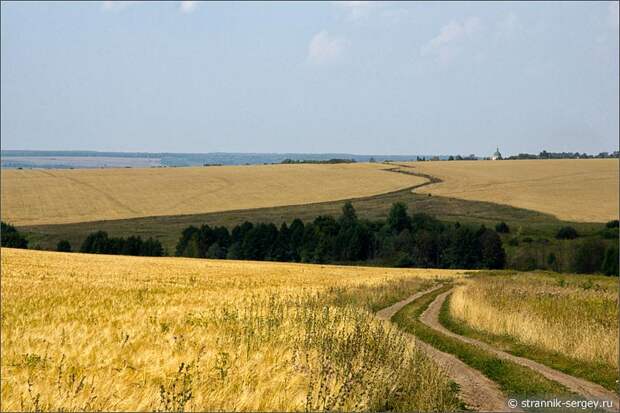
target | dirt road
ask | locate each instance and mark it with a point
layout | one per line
(475, 390)
(580, 386)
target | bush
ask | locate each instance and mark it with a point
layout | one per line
(502, 228)
(552, 262)
(493, 254)
(524, 260)
(610, 233)
(527, 240)
(610, 262)
(63, 246)
(613, 224)
(589, 257)
(567, 233)
(513, 242)
(11, 237)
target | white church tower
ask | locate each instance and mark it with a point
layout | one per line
(497, 155)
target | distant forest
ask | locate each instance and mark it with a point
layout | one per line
(401, 240)
(565, 155)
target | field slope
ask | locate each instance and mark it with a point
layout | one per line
(116, 333)
(583, 190)
(39, 196)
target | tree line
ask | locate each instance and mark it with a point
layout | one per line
(11, 237)
(100, 243)
(402, 240)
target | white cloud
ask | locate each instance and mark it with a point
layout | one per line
(450, 34)
(116, 5)
(188, 6)
(324, 48)
(613, 14)
(356, 10)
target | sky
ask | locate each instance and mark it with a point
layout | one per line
(348, 77)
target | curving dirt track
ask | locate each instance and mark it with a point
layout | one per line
(475, 389)
(580, 386)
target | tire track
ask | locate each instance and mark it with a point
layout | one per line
(587, 389)
(475, 389)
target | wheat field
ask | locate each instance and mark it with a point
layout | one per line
(584, 190)
(94, 332)
(57, 196)
(570, 314)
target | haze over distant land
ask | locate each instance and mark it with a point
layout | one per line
(91, 159)
(330, 77)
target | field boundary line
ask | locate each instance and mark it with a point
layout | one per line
(430, 317)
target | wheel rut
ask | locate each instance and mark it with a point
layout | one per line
(475, 390)
(587, 389)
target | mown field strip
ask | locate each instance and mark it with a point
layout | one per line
(430, 317)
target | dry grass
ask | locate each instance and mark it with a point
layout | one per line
(58, 196)
(573, 315)
(92, 332)
(584, 190)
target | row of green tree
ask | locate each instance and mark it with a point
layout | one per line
(100, 243)
(402, 240)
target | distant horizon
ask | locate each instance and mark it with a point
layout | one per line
(3, 151)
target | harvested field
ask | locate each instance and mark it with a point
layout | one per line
(583, 190)
(92, 332)
(39, 196)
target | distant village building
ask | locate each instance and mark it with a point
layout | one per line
(497, 155)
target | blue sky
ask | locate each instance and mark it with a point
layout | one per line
(355, 77)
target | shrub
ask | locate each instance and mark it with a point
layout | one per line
(567, 233)
(502, 228)
(610, 262)
(613, 224)
(524, 260)
(589, 257)
(527, 240)
(552, 261)
(610, 233)
(11, 237)
(513, 242)
(493, 254)
(63, 246)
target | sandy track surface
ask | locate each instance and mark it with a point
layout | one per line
(580, 386)
(476, 390)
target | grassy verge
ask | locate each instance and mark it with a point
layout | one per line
(594, 372)
(515, 381)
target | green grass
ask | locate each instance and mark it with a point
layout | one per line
(514, 380)
(168, 228)
(594, 372)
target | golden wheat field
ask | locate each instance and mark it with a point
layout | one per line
(93, 332)
(584, 190)
(58, 196)
(570, 314)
